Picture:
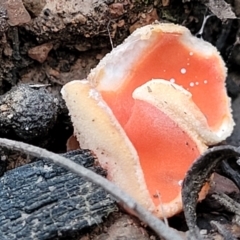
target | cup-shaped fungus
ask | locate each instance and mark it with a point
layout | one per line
(150, 108)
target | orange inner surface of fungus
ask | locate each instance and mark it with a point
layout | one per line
(164, 157)
(169, 59)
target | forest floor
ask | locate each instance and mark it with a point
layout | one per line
(56, 42)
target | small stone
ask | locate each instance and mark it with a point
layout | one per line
(152, 237)
(34, 7)
(223, 185)
(17, 13)
(85, 238)
(40, 53)
(3, 158)
(125, 227)
(156, 2)
(79, 18)
(3, 107)
(99, 56)
(54, 73)
(203, 231)
(149, 18)
(7, 51)
(121, 23)
(116, 9)
(83, 47)
(165, 3)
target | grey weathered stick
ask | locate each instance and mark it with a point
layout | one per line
(157, 225)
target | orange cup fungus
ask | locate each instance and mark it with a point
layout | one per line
(149, 109)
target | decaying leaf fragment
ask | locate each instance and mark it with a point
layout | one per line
(220, 8)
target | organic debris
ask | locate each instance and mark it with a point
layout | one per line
(199, 173)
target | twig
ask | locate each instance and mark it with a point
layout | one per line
(16, 43)
(230, 204)
(109, 34)
(222, 230)
(157, 225)
(162, 209)
(200, 32)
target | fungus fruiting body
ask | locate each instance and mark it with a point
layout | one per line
(150, 108)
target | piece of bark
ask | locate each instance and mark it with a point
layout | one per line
(42, 200)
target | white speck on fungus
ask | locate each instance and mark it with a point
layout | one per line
(183, 70)
(180, 182)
